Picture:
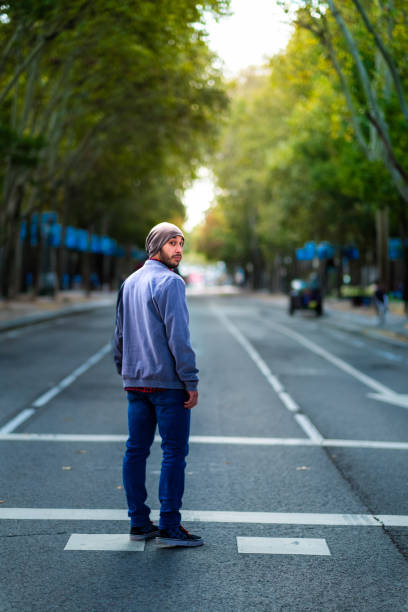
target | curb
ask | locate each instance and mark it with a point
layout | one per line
(41, 317)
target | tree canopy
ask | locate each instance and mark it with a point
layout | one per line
(106, 111)
(302, 157)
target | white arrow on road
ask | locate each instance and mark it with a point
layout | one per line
(383, 393)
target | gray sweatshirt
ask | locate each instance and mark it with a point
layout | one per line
(152, 340)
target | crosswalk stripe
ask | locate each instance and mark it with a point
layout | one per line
(248, 545)
(283, 546)
(211, 516)
(103, 541)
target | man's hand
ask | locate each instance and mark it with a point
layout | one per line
(192, 400)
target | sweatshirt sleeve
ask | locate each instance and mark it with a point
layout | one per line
(173, 309)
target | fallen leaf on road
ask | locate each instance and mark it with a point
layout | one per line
(66, 467)
(119, 487)
(81, 452)
(303, 467)
(2, 501)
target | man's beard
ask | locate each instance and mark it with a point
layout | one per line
(170, 263)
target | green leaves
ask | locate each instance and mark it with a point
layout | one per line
(118, 99)
(290, 168)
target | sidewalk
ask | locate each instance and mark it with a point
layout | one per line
(26, 310)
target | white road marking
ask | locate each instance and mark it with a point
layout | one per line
(23, 416)
(15, 333)
(46, 397)
(35, 437)
(345, 338)
(366, 444)
(383, 391)
(210, 516)
(360, 344)
(240, 440)
(103, 541)
(394, 399)
(390, 356)
(68, 380)
(289, 401)
(283, 546)
(308, 427)
(305, 423)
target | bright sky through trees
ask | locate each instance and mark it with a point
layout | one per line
(255, 31)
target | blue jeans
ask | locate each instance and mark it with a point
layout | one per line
(166, 409)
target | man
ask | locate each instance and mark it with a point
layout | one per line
(154, 356)
(381, 303)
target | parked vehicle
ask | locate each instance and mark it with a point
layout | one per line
(305, 295)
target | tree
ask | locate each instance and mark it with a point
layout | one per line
(106, 112)
(288, 155)
(366, 44)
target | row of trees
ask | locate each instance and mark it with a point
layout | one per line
(106, 111)
(317, 141)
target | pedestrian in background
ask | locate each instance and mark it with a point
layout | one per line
(381, 303)
(157, 363)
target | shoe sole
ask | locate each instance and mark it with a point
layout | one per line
(172, 543)
(147, 536)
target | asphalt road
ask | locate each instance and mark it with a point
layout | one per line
(296, 478)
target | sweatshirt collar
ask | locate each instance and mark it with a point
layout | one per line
(160, 262)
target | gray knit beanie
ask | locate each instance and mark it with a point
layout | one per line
(159, 235)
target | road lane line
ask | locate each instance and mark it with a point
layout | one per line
(365, 444)
(104, 541)
(211, 516)
(252, 352)
(235, 440)
(305, 423)
(48, 395)
(283, 546)
(249, 440)
(289, 401)
(309, 428)
(346, 338)
(23, 416)
(35, 437)
(339, 363)
(390, 356)
(68, 380)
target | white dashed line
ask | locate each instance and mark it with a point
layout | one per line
(308, 427)
(46, 397)
(23, 416)
(65, 382)
(303, 421)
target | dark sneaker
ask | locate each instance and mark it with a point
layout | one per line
(177, 536)
(144, 533)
